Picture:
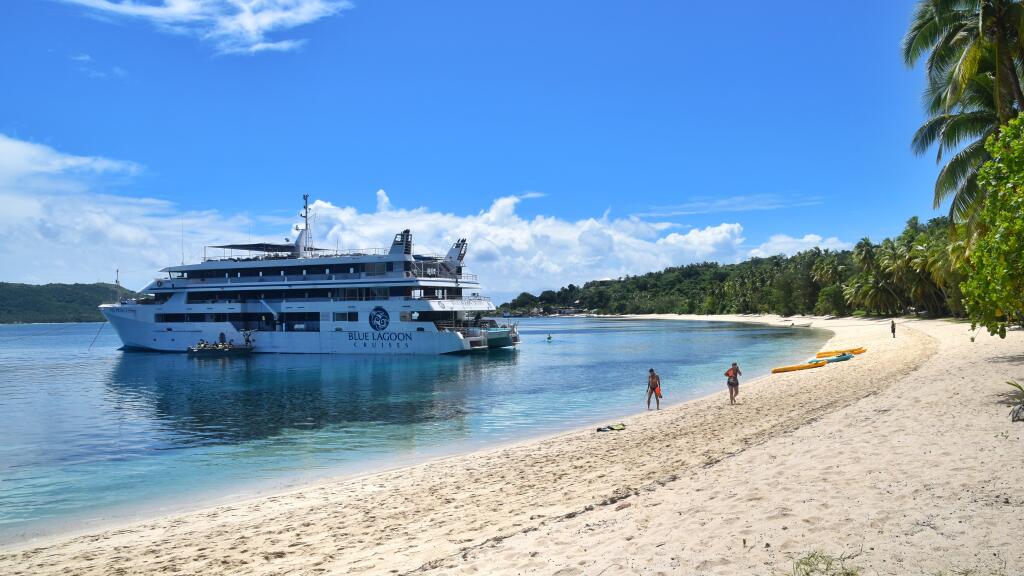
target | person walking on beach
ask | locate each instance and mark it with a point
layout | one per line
(653, 389)
(733, 381)
(893, 328)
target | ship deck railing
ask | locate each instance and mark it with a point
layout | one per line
(254, 300)
(411, 274)
(347, 253)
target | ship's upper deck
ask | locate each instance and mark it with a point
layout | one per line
(296, 263)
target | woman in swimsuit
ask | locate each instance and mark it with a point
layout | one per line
(733, 382)
(653, 389)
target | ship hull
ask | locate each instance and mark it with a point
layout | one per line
(140, 334)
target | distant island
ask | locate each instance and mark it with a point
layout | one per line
(25, 303)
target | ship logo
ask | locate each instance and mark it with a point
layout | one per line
(379, 319)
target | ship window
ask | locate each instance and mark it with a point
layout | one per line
(346, 316)
(375, 268)
(405, 316)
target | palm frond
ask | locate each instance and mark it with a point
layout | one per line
(928, 134)
(969, 126)
(958, 178)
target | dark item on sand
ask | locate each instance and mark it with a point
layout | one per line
(613, 427)
(1017, 412)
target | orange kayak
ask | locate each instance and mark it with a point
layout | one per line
(831, 353)
(799, 367)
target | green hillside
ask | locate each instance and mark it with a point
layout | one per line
(56, 302)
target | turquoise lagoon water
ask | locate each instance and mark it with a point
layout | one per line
(90, 436)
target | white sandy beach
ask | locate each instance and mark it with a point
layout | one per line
(903, 459)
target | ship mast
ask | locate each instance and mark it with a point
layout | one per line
(305, 217)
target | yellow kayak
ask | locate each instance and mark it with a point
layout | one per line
(831, 353)
(799, 367)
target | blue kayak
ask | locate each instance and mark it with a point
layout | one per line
(840, 358)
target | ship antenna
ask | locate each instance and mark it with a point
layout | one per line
(305, 218)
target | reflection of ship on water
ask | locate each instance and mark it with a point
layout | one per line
(208, 401)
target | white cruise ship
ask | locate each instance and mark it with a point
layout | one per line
(294, 298)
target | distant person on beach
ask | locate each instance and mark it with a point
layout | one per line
(733, 382)
(893, 328)
(653, 389)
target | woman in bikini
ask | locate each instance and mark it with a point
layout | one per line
(733, 382)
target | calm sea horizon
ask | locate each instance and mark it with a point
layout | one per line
(94, 435)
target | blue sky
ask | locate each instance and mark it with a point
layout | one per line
(788, 120)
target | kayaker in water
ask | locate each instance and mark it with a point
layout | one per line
(653, 389)
(733, 382)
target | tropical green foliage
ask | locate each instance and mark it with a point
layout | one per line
(56, 302)
(994, 290)
(917, 270)
(973, 51)
(1018, 392)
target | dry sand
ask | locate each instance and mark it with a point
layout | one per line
(903, 459)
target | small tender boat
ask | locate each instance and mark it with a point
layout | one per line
(219, 352)
(796, 367)
(831, 353)
(221, 349)
(831, 359)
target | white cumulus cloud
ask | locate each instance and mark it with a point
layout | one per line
(788, 245)
(58, 226)
(512, 253)
(234, 26)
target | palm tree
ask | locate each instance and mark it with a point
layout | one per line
(974, 51)
(872, 293)
(864, 255)
(827, 271)
(961, 131)
(957, 34)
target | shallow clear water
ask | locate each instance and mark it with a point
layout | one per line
(92, 434)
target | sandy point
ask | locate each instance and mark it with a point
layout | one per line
(903, 461)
